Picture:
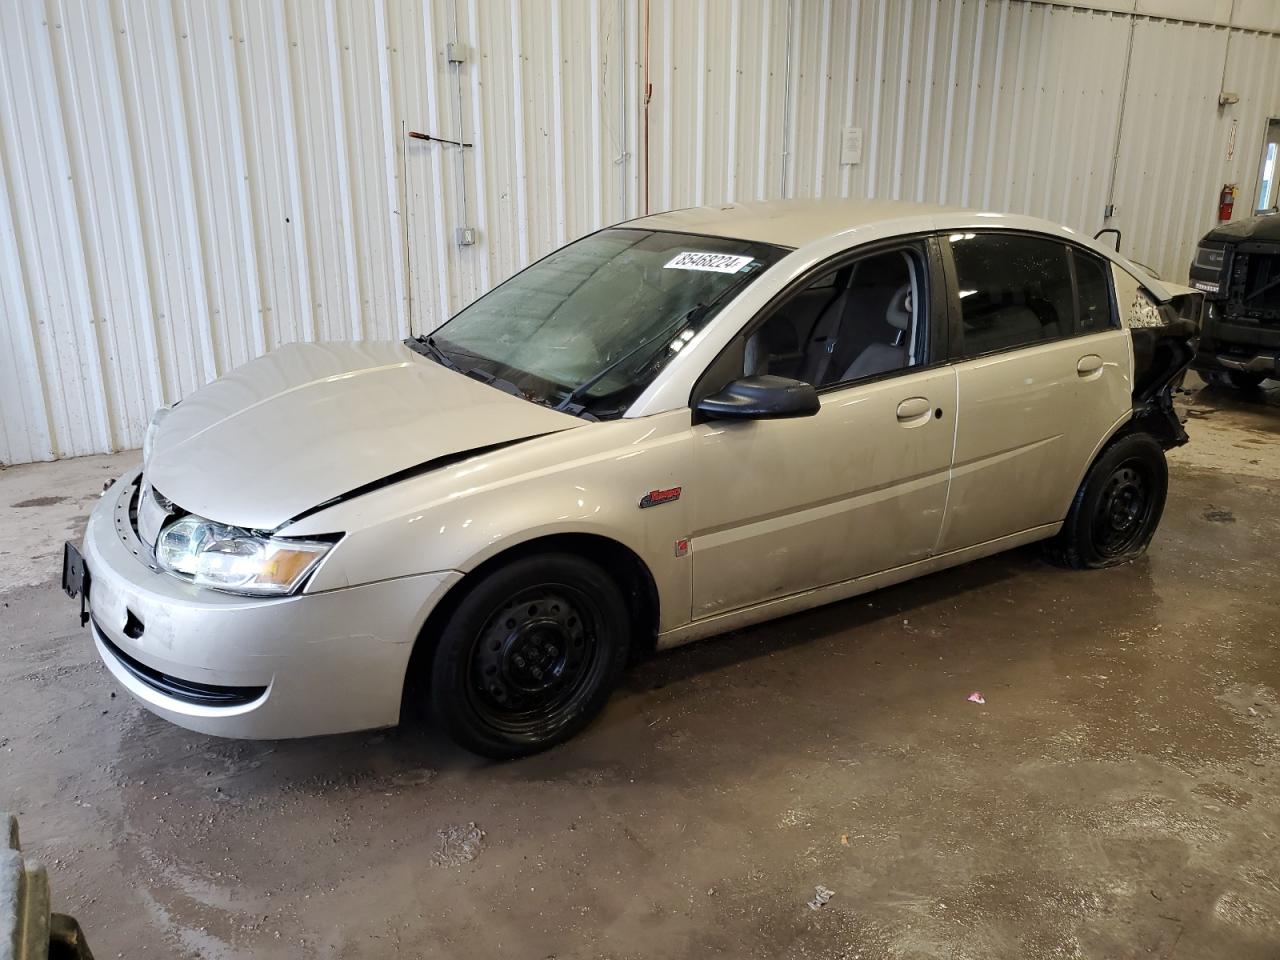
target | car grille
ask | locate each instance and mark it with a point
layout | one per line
(188, 691)
(1255, 289)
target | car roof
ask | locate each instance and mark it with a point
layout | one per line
(799, 223)
(790, 223)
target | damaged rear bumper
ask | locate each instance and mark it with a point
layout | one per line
(1161, 356)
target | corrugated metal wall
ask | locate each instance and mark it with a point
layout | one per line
(185, 184)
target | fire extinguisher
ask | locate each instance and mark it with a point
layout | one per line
(1226, 201)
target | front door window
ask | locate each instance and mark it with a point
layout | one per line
(858, 321)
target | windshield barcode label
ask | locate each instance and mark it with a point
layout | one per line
(713, 262)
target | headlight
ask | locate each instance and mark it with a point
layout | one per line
(215, 555)
(148, 438)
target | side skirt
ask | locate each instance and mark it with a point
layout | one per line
(807, 599)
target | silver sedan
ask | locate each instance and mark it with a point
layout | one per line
(670, 428)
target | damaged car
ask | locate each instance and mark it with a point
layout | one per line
(668, 429)
(1237, 266)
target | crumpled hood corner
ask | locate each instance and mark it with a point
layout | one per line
(310, 422)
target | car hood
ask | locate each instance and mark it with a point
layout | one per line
(1261, 228)
(1181, 290)
(311, 422)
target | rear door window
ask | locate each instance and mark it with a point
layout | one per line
(1093, 288)
(1015, 290)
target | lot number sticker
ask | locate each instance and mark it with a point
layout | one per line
(710, 262)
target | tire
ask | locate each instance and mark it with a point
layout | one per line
(1236, 379)
(1117, 508)
(529, 656)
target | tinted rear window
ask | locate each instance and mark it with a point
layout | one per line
(1014, 290)
(1093, 285)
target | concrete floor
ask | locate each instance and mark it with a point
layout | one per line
(1118, 795)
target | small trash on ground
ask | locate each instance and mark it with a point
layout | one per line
(844, 839)
(977, 697)
(458, 845)
(820, 898)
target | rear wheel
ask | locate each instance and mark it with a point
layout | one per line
(1117, 508)
(530, 655)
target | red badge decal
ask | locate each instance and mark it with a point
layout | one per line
(655, 497)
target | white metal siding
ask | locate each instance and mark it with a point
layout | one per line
(185, 184)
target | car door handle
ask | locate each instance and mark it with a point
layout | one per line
(914, 411)
(1089, 366)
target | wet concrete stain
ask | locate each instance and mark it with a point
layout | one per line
(41, 501)
(1117, 795)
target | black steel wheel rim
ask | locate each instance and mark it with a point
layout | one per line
(1124, 509)
(536, 661)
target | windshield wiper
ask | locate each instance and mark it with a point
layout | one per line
(506, 386)
(660, 339)
(426, 346)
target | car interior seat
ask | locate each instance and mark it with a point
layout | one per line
(880, 357)
(773, 349)
(856, 326)
(1007, 325)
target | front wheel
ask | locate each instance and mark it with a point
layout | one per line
(1117, 508)
(530, 655)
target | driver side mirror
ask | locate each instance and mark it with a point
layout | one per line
(761, 398)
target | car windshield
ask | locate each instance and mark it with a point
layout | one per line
(587, 328)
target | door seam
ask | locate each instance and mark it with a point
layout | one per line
(951, 470)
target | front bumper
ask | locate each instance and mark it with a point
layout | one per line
(1266, 364)
(259, 668)
(1228, 345)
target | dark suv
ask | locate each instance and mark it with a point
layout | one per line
(1237, 265)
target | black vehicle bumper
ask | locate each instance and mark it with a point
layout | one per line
(1265, 363)
(1238, 346)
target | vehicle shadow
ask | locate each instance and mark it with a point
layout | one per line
(1264, 399)
(826, 622)
(155, 753)
(158, 760)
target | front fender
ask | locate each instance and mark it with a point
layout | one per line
(586, 481)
